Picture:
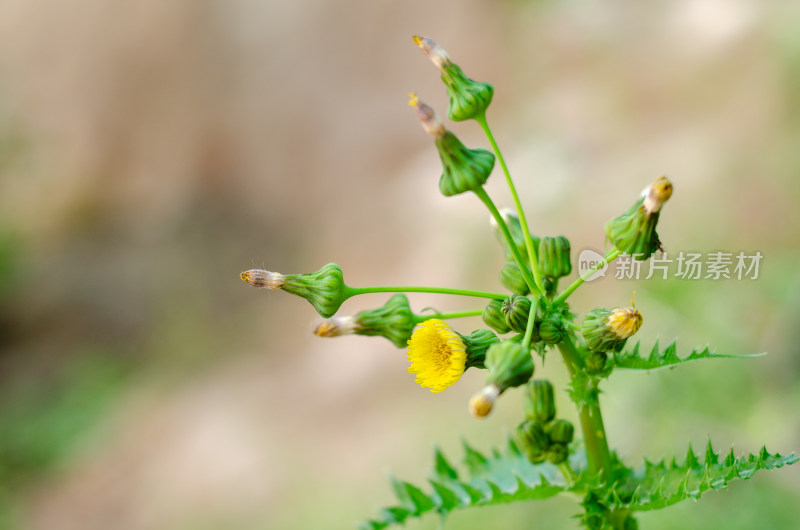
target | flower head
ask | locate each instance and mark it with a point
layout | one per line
(325, 289)
(468, 99)
(634, 232)
(437, 354)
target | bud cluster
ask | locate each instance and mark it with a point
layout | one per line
(541, 436)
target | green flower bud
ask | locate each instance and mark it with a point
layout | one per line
(554, 259)
(634, 232)
(560, 431)
(516, 309)
(557, 453)
(493, 317)
(512, 279)
(462, 169)
(608, 329)
(551, 330)
(596, 361)
(515, 229)
(468, 99)
(325, 289)
(509, 364)
(539, 401)
(533, 440)
(476, 344)
(394, 320)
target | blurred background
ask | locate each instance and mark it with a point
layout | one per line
(150, 151)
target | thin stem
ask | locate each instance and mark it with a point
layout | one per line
(611, 256)
(526, 341)
(354, 291)
(594, 434)
(532, 254)
(445, 316)
(526, 273)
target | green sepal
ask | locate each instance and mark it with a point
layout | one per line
(476, 344)
(325, 289)
(462, 169)
(512, 279)
(468, 99)
(554, 257)
(539, 400)
(632, 359)
(493, 317)
(394, 320)
(634, 232)
(509, 363)
(516, 309)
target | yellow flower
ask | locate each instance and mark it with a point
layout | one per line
(624, 321)
(437, 354)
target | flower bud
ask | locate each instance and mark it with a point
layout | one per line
(480, 405)
(554, 259)
(325, 289)
(551, 330)
(607, 330)
(539, 401)
(634, 232)
(509, 364)
(515, 229)
(533, 440)
(493, 317)
(516, 309)
(596, 361)
(394, 320)
(462, 169)
(476, 344)
(560, 431)
(468, 99)
(557, 453)
(511, 278)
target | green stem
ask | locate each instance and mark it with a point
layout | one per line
(526, 273)
(445, 316)
(611, 256)
(354, 291)
(532, 254)
(594, 434)
(526, 340)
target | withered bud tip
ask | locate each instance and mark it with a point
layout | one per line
(426, 116)
(657, 194)
(262, 278)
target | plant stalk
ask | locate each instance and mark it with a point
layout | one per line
(598, 455)
(532, 253)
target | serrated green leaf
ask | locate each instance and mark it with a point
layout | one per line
(442, 468)
(500, 478)
(654, 486)
(632, 359)
(475, 461)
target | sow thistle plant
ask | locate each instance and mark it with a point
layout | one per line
(542, 458)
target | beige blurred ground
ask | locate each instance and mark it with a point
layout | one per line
(151, 151)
